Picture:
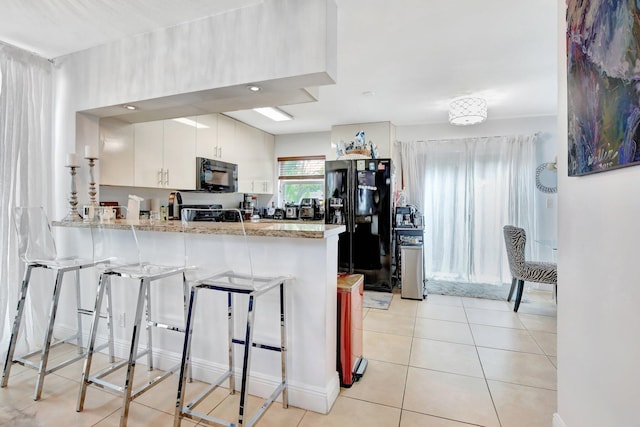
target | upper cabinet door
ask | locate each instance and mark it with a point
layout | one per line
(179, 155)
(148, 154)
(116, 152)
(207, 136)
(227, 140)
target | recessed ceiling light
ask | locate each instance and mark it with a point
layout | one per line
(254, 88)
(274, 114)
(190, 122)
(129, 107)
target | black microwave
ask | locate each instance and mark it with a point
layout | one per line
(216, 176)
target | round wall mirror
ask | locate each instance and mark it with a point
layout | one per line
(547, 178)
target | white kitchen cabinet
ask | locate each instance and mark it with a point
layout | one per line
(148, 155)
(255, 172)
(116, 152)
(207, 136)
(179, 155)
(267, 162)
(229, 149)
(165, 154)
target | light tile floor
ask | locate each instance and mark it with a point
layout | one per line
(443, 362)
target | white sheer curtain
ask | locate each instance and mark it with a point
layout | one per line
(468, 189)
(25, 176)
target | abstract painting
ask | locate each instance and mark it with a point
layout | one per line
(603, 84)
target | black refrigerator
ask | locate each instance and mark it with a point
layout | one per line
(358, 194)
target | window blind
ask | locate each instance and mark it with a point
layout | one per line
(301, 167)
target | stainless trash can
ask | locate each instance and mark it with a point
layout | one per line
(412, 272)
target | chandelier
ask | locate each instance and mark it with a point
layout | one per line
(467, 111)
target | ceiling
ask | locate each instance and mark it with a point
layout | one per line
(401, 61)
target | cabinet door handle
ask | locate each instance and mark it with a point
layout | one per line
(159, 176)
(220, 155)
(166, 178)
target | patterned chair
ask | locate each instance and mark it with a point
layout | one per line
(522, 270)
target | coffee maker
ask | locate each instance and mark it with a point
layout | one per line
(248, 206)
(175, 201)
(310, 208)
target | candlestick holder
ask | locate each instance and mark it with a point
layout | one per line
(73, 214)
(92, 182)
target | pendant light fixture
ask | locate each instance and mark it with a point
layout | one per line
(467, 111)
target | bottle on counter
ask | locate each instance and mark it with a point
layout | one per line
(164, 213)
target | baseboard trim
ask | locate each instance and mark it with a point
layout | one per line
(557, 421)
(316, 399)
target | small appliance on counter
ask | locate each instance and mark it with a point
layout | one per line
(175, 201)
(278, 213)
(249, 207)
(179, 201)
(407, 217)
(309, 208)
(268, 212)
(203, 215)
(291, 211)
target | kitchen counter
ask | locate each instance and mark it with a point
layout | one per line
(303, 250)
(263, 227)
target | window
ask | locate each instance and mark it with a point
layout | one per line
(300, 177)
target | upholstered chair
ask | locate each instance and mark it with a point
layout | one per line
(522, 270)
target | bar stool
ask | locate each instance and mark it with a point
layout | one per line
(128, 267)
(231, 283)
(37, 249)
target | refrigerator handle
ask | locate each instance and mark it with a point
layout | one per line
(352, 196)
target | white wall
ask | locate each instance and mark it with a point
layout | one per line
(598, 311)
(305, 144)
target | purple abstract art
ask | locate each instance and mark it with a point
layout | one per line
(603, 83)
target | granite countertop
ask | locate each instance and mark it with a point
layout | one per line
(264, 228)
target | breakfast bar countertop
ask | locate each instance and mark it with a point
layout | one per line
(268, 228)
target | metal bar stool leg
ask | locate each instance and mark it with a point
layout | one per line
(232, 380)
(78, 314)
(148, 317)
(46, 345)
(185, 307)
(16, 326)
(185, 368)
(283, 346)
(246, 368)
(103, 283)
(112, 357)
(133, 352)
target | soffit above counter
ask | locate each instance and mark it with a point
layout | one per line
(280, 92)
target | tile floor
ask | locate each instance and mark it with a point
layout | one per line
(443, 362)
